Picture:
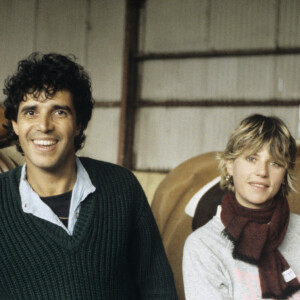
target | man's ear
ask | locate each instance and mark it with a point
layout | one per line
(78, 129)
(15, 127)
(229, 167)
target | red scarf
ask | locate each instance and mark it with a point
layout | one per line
(256, 235)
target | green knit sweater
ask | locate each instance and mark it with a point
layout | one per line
(115, 251)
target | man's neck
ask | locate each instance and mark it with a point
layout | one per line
(52, 182)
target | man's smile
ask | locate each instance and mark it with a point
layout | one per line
(45, 142)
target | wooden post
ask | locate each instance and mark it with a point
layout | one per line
(129, 84)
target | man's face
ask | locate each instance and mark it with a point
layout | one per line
(46, 129)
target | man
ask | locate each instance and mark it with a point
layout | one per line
(71, 228)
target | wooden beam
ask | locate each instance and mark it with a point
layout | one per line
(129, 84)
(216, 103)
(218, 53)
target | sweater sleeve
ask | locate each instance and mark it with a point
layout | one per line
(203, 273)
(152, 272)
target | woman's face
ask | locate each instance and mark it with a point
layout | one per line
(257, 178)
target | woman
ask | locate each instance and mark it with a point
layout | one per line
(250, 249)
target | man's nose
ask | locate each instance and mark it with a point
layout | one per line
(45, 122)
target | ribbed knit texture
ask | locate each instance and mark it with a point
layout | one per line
(115, 251)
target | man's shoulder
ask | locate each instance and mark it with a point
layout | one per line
(109, 176)
(10, 180)
(95, 164)
(13, 173)
(97, 167)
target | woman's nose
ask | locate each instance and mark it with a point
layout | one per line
(262, 169)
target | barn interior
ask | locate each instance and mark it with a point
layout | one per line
(171, 79)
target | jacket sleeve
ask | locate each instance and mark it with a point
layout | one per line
(204, 276)
(152, 272)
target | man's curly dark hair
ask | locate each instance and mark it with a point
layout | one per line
(50, 73)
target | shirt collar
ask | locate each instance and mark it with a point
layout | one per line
(31, 202)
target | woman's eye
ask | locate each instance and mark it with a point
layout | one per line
(276, 164)
(250, 158)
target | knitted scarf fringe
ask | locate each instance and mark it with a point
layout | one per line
(285, 295)
(235, 253)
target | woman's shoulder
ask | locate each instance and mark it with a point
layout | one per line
(294, 218)
(294, 223)
(292, 237)
(209, 235)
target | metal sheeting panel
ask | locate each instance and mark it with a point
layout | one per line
(61, 27)
(216, 78)
(177, 25)
(169, 79)
(174, 25)
(91, 30)
(165, 137)
(105, 48)
(102, 135)
(289, 27)
(288, 77)
(242, 24)
(16, 35)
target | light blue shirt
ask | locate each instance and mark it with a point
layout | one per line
(32, 203)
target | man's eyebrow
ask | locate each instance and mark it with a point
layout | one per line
(28, 107)
(63, 107)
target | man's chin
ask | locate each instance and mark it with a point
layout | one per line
(44, 166)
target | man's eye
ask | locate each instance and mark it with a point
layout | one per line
(60, 113)
(29, 113)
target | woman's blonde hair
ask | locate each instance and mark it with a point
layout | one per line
(253, 133)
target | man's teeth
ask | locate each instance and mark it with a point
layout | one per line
(44, 142)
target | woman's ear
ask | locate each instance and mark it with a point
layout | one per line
(229, 167)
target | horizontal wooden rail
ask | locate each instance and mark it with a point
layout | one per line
(200, 103)
(212, 102)
(217, 53)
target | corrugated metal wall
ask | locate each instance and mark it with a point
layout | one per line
(166, 136)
